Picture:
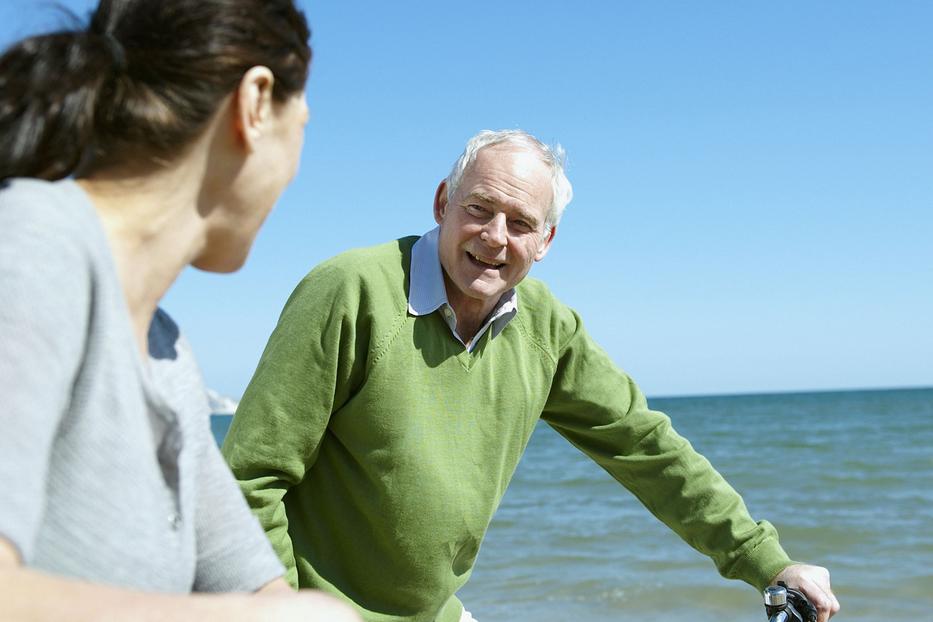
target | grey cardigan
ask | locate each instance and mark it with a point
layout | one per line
(108, 469)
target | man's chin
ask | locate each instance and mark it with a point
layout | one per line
(486, 291)
(479, 288)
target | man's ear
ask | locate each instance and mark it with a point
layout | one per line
(546, 244)
(440, 201)
(253, 99)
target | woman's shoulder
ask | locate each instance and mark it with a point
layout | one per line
(46, 208)
(25, 191)
(49, 231)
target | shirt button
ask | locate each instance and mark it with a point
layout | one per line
(174, 521)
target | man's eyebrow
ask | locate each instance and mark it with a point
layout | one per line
(485, 198)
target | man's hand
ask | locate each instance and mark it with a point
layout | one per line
(813, 581)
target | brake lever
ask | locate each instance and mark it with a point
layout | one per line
(784, 604)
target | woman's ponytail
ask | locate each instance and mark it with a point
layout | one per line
(140, 82)
(49, 89)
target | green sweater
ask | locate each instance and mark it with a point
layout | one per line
(374, 448)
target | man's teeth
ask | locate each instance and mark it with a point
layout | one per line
(484, 262)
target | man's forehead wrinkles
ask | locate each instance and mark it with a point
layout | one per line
(482, 196)
(507, 187)
(498, 198)
(509, 179)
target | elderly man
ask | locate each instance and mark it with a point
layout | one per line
(402, 383)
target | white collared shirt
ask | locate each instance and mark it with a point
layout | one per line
(427, 292)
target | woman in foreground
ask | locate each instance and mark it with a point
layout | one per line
(158, 137)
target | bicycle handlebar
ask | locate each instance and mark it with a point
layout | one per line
(784, 604)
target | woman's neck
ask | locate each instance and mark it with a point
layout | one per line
(154, 229)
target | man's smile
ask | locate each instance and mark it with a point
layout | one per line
(484, 263)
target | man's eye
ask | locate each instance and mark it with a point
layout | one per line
(477, 210)
(522, 226)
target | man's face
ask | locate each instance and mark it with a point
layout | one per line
(493, 227)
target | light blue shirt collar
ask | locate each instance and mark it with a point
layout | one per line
(427, 292)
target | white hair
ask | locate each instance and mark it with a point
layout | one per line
(554, 157)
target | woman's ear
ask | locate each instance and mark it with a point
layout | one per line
(253, 99)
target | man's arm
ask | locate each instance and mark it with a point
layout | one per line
(310, 366)
(602, 412)
(30, 596)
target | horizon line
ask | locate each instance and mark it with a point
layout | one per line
(743, 393)
(794, 392)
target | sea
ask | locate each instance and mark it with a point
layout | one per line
(846, 477)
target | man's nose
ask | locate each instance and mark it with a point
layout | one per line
(496, 230)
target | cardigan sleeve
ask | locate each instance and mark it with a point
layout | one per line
(600, 410)
(233, 553)
(310, 366)
(45, 285)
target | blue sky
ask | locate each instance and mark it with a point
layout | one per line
(754, 180)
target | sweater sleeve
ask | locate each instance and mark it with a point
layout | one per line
(45, 289)
(598, 408)
(309, 368)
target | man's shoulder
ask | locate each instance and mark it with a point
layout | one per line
(543, 315)
(387, 258)
(536, 296)
(370, 275)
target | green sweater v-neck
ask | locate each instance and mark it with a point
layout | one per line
(374, 448)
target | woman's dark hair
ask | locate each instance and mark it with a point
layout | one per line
(141, 81)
